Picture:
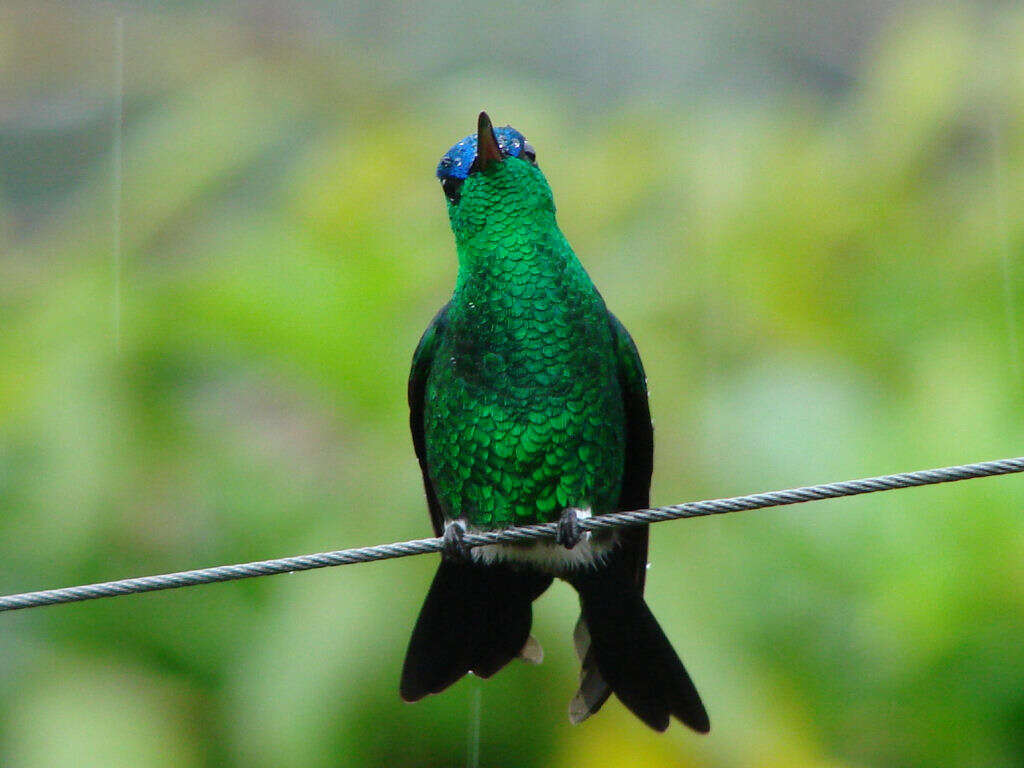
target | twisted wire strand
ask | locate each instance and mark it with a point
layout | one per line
(511, 535)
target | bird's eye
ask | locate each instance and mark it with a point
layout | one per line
(529, 153)
(452, 187)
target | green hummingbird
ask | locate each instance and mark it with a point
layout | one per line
(528, 404)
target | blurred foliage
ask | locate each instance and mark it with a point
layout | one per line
(822, 286)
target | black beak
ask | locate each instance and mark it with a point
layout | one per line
(487, 150)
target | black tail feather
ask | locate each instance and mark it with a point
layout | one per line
(475, 619)
(631, 650)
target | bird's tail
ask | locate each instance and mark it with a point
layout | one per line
(630, 650)
(476, 618)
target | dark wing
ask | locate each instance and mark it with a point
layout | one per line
(422, 359)
(636, 475)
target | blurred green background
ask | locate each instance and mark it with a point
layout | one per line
(221, 237)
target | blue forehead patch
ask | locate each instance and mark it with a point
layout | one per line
(459, 159)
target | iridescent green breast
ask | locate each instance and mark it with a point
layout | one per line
(523, 413)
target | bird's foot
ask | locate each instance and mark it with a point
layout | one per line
(570, 533)
(454, 544)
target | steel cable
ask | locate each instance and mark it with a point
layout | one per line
(510, 535)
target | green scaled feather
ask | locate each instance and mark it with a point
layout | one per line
(522, 409)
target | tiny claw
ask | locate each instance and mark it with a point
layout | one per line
(569, 530)
(454, 545)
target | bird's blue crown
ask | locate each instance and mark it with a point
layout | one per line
(459, 159)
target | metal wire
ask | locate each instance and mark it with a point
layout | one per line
(510, 535)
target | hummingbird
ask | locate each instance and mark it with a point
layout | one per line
(528, 404)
